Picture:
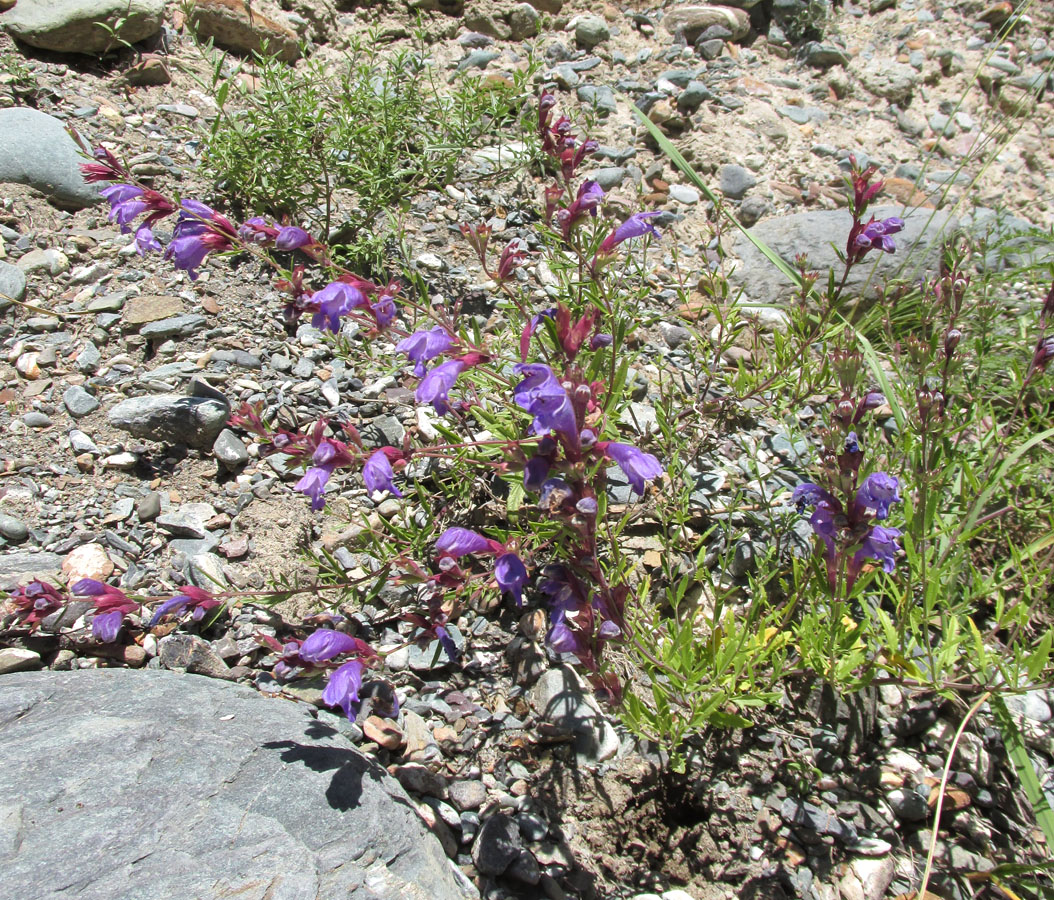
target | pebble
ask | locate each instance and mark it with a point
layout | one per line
(79, 402)
(88, 561)
(734, 181)
(497, 845)
(37, 151)
(591, 31)
(18, 659)
(684, 193)
(12, 529)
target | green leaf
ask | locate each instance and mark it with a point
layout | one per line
(671, 151)
(1015, 749)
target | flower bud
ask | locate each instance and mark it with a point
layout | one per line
(951, 341)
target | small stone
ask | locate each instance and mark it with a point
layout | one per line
(170, 418)
(908, 805)
(684, 193)
(88, 359)
(590, 31)
(79, 402)
(18, 659)
(523, 21)
(230, 450)
(497, 846)
(12, 529)
(87, 561)
(602, 97)
(12, 284)
(192, 654)
(149, 507)
(383, 732)
(467, 795)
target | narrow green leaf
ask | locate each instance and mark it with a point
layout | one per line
(1015, 749)
(671, 151)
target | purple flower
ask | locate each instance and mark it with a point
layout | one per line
(562, 639)
(422, 346)
(145, 240)
(383, 310)
(257, 231)
(313, 484)
(636, 465)
(880, 545)
(555, 492)
(590, 194)
(200, 230)
(878, 491)
(197, 600)
(635, 226)
(325, 644)
(446, 642)
(378, 474)
(290, 237)
(106, 626)
(600, 340)
(531, 327)
(36, 601)
(809, 494)
(111, 607)
(332, 302)
(511, 575)
(822, 522)
(344, 686)
(126, 202)
(544, 397)
(535, 472)
(459, 541)
(878, 235)
(587, 506)
(435, 386)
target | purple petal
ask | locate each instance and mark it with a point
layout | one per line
(636, 465)
(290, 237)
(173, 605)
(325, 643)
(378, 474)
(107, 626)
(88, 587)
(511, 575)
(459, 541)
(344, 686)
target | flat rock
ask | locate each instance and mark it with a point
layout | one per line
(171, 418)
(215, 792)
(918, 250)
(35, 150)
(74, 26)
(151, 308)
(233, 25)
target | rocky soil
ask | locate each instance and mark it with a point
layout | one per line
(118, 374)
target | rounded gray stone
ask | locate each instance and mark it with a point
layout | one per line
(75, 26)
(734, 181)
(590, 31)
(35, 150)
(13, 529)
(170, 418)
(230, 450)
(12, 280)
(215, 792)
(79, 402)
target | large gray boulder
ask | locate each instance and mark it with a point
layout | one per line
(149, 785)
(918, 253)
(74, 26)
(36, 150)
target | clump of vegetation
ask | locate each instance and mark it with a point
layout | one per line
(372, 132)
